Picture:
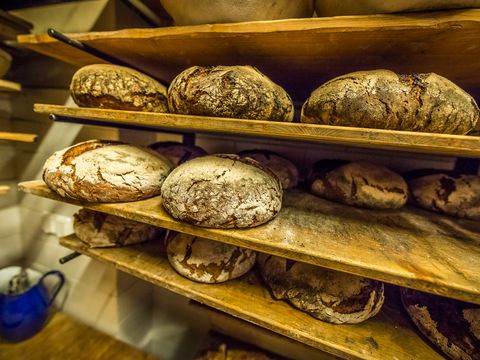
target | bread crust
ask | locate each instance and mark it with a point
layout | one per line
(176, 152)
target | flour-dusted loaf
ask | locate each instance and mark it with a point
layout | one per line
(385, 100)
(117, 87)
(177, 152)
(208, 261)
(222, 191)
(452, 325)
(358, 183)
(328, 295)
(447, 192)
(106, 171)
(229, 91)
(98, 229)
(285, 170)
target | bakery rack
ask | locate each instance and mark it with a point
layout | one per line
(408, 247)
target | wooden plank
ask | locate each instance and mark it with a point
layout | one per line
(9, 86)
(458, 145)
(386, 336)
(4, 189)
(299, 54)
(408, 247)
(23, 137)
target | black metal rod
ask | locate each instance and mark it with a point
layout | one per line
(69, 257)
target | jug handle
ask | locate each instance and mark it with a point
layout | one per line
(58, 286)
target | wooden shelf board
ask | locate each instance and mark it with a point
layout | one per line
(386, 336)
(9, 86)
(458, 145)
(299, 54)
(22, 137)
(408, 247)
(4, 189)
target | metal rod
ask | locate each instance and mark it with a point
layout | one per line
(69, 257)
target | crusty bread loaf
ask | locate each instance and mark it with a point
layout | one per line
(176, 152)
(358, 183)
(229, 91)
(98, 229)
(208, 261)
(222, 191)
(328, 295)
(452, 325)
(117, 87)
(106, 171)
(382, 99)
(224, 353)
(285, 170)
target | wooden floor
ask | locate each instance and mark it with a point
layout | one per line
(65, 338)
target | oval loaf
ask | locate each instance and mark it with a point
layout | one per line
(385, 100)
(222, 191)
(117, 87)
(328, 295)
(229, 91)
(176, 152)
(106, 171)
(208, 261)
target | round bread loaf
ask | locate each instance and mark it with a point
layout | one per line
(447, 192)
(117, 87)
(452, 325)
(176, 152)
(98, 229)
(229, 91)
(358, 183)
(208, 261)
(222, 191)
(384, 100)
(285, 170)
(106, 171)
(328, 295)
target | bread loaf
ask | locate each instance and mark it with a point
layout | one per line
(222, 191)
(358, 183)
(106, 171)
(97, 229)
(229, 91)
(224, 353)
(208, 261)
(285, 170)
(117, 87)
(328, 295)
(452, 325)
(176, 152)
(384, 100)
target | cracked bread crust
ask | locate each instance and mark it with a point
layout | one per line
(117, 87)
(229, 91)
(208, 261)
(106, 171)
(222, 191)
(328, 295)
(385, 100)
(358, 183)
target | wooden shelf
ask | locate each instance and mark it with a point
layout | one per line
(22, 137)
(458, 145)
(386, 336)
(408, 247)
(9, 86)
(4, 189)
(299, 54)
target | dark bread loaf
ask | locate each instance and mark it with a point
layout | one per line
(208, 261)
(452, 325)
(222, 191)
(229, 91)
(358, 183)
(384, 100)
(177, 152)
(117, 87)
(97, 229)
(328, 295)
(285, 170)
(106, 171)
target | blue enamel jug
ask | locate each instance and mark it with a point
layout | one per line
(23, 314)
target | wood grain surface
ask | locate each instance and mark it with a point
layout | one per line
(459, 145)
(22, 137)
(299, 54)
(389, 335)
(408, 247)
(4, 189)
(9, 86)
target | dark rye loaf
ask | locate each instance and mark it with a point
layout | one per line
(176, 152)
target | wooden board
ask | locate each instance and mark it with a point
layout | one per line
(299, 54)
(458, 145)
(9, 86)
(407, 247)
(12, 136)
(386, 336)
(66, 338)
(4, 189)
